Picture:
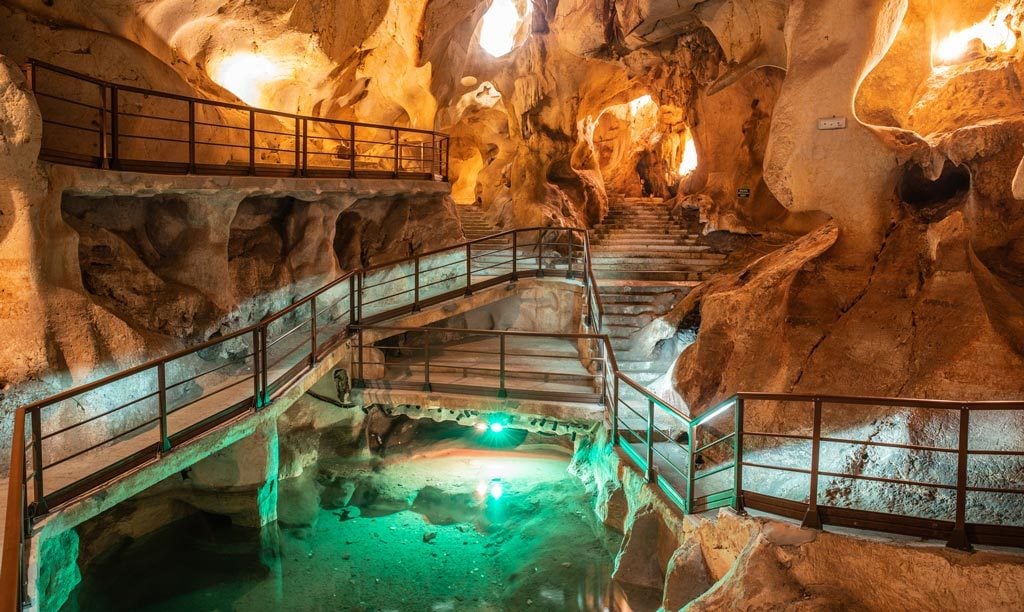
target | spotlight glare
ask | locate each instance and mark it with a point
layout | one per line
(497, 427)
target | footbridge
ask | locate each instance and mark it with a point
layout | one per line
(384, 322)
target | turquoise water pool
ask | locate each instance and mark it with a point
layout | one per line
(458, 529)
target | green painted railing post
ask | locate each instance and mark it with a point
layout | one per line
(651, 472)
(257, 370)
(737, 455)
(692, 469)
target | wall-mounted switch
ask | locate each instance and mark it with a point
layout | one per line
(832, 123)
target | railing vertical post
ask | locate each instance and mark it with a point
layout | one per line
(312, 331)
(161, 385)
(572, 247)
(359, 356)
(298, 146)
(264, 331)
(305, 147)
(398, 149)
(416, 280)
(115, 130)
(469, 268)
(104, 152)
(651, 473)
(435, 167)
(540, 253)
(37, 461)
(515, 254)
(502, 392)
(257, 395)
(615, 409)
(191, 136)
(252, 142)
(359, 296)
(586, 258)
(352, 296)
(812, 518)
(352, 150)
(958, 538)
(737, 455)
(447, 156)
(691, 470)
(426, 361)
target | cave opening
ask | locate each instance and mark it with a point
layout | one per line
(990, 36)
(501, 25)
(932, 199)
(643, 148)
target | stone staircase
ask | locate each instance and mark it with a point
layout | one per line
(638, 241)
(646, 262)
(475, 225)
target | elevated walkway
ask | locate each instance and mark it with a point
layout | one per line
(171, 410)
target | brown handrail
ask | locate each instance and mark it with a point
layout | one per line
(962, 532)
(297, 165)
(10, 581)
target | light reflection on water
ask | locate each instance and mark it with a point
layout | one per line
(515, 533)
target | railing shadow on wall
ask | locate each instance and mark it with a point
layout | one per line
(99, 124)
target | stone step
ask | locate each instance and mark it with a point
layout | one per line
(643, 366)
(652, 275)
(654, 248)
(643, 242)
(669, 266)
(701, 258)
(636, 320)
(615, 300)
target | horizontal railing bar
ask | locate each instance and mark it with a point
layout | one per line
(98, 416)
(994, 490)
(230, 105)
(937, 449)
(207, 395)
(69, 101)
(71, 126)
(717, 470)
(724, 438)
(195, 377)
(913, 483)
(99, 444)
(768, 434)
(781, 468)
(897, 402)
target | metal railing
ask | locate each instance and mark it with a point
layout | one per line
(701, 463)
(150, 409)
(501, 363)
(95, 123)
(969, 457)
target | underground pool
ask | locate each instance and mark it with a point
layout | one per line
(453, 525)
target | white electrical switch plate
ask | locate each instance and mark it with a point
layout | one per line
(832, 123)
